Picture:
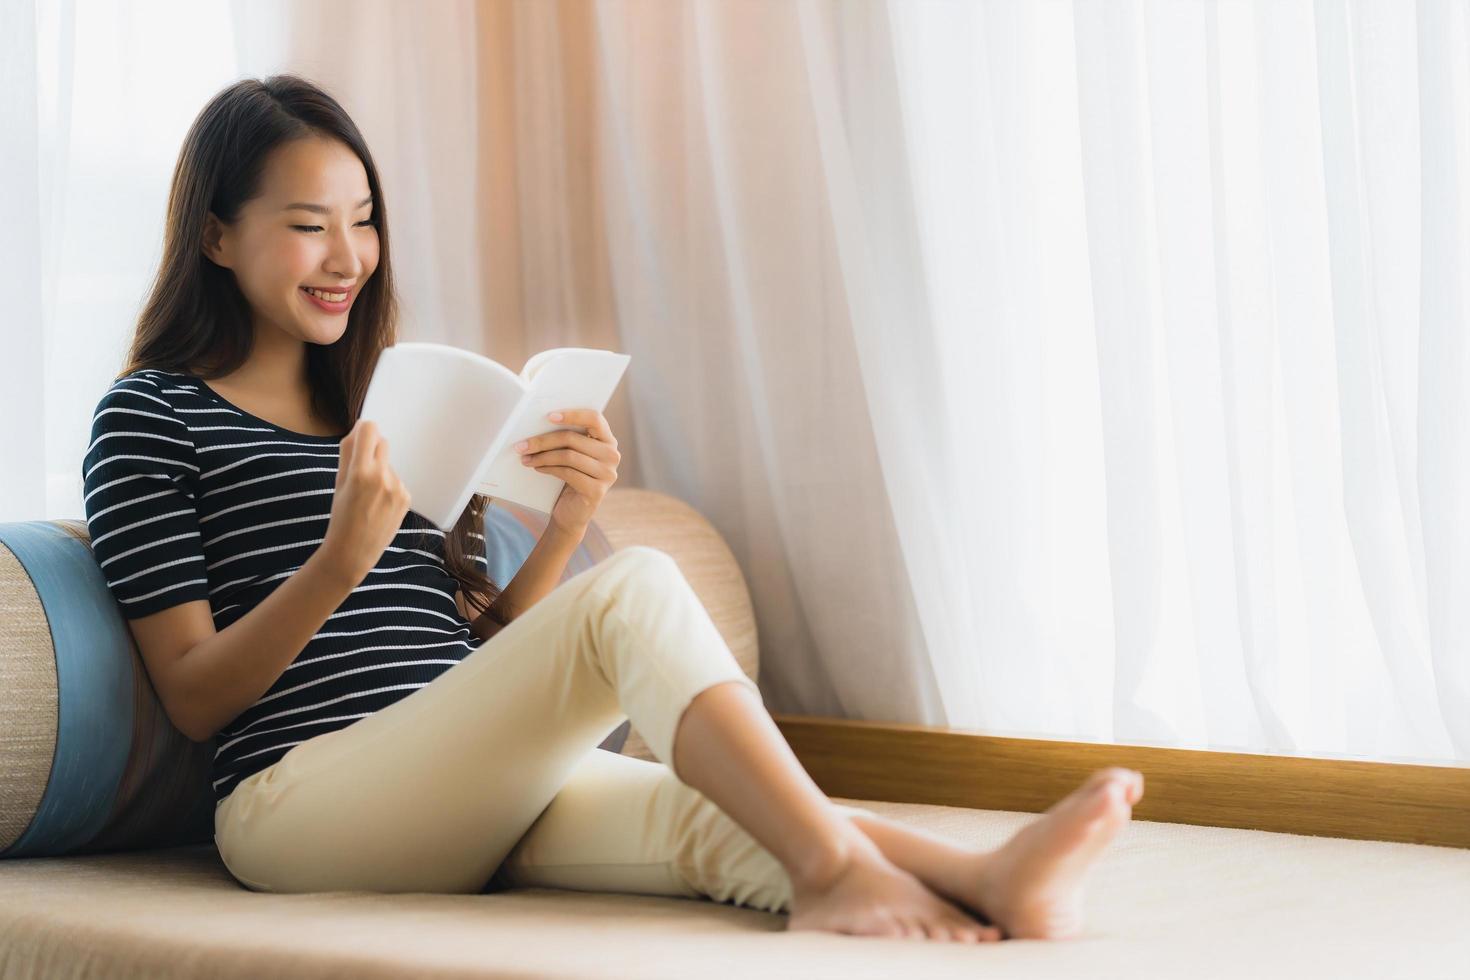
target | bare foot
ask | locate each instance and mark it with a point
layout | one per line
(871, 896)
(1032, 885)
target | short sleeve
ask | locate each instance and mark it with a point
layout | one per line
(138, 479)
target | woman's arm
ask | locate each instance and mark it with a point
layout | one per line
(206, 678)
(539, 574)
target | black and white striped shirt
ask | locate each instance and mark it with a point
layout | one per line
(190, 497)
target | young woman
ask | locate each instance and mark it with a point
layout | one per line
(387, 719)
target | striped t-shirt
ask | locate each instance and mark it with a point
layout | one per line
(190, 497)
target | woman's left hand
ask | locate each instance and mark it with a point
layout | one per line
(588, 463)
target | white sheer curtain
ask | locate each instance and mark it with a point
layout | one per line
(1072, 370)
(1212, 488)
(92, 123)
(1087, 371)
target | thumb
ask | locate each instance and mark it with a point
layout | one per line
(344, 456)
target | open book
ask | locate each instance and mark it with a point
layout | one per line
(452, 418)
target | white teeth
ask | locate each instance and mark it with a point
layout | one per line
(329, 297)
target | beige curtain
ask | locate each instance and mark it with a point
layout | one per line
(544, 275)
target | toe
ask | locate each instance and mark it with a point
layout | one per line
(1100, 778)
(1096, 799)
(881, 924)
(1110, 803)
(968, 929)
(1130, 779)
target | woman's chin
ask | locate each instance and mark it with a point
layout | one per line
(321, 327)
(323, 334)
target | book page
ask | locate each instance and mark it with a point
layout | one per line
(441, 409)
(561, 378)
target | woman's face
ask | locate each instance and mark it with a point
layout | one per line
(279, 246)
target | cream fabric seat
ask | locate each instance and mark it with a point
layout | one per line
(1166, 900)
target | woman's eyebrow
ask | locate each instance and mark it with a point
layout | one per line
(319, 209)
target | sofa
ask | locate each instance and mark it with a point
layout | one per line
(109, 867)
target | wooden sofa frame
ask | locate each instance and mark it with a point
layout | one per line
(1416, 804)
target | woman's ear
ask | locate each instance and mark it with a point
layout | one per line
(213, 244)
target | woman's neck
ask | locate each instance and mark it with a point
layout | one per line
(277, 363)
(273, 384)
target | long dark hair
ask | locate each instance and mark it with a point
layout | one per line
(196, 318)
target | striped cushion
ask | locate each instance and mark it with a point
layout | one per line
(89, 761)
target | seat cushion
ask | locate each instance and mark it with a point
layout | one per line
(1165, 900)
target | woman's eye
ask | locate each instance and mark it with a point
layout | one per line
(369, 221)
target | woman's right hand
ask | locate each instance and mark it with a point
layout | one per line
(368, 504)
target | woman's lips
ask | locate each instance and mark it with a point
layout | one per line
(329, 307)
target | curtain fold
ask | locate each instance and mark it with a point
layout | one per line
(745, 370)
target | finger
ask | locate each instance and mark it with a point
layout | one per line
(578, 480)
(595, 465)
(596, 448)
(568, 438)
(590, 419)
(365, 435)
(594, 468)
(356, 452)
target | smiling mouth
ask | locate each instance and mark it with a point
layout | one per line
(327, 305)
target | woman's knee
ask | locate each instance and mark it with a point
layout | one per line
(641, 556)
(639, 562)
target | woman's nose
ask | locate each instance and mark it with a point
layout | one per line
(342, 258)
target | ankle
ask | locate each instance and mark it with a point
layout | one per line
(818, 868)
